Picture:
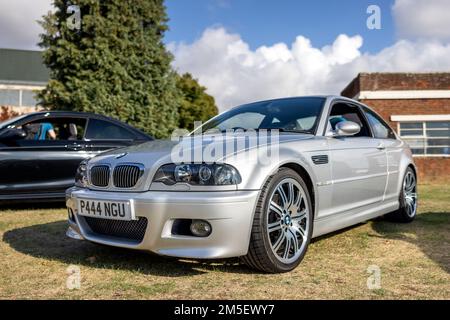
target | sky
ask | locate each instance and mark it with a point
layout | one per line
(248, 50)
(266, 22)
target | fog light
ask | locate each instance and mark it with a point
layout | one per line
(200, 228)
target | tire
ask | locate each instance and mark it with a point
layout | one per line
(407, 198)
(290, 224)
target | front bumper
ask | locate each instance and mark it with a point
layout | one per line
(230, 214)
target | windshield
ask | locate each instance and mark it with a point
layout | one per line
(286, 115)
(6, 123)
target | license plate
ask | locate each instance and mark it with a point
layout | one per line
(114, 210)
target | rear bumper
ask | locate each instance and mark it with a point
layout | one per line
(230, 214)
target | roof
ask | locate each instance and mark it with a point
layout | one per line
(291, 98)
(22, 67)
(64, 113)
(387, 81)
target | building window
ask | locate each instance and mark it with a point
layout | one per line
(28, 98)
(9, 97)
(431, 138)
(17, 97)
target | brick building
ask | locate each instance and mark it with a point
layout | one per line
(417, 106)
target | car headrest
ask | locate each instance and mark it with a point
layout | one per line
(73, 131)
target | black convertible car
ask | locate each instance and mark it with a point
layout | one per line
(40, 152)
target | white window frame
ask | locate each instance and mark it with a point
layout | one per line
(422, 119)
(20, 89)
(402, 94)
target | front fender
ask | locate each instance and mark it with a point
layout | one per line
(255, 173)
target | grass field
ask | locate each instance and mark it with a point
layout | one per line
(414, 260)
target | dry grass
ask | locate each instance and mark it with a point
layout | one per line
(414, 260)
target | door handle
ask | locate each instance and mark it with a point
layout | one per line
(381, 146)
(74, 146)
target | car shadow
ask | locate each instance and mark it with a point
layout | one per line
(49, 241)
(429, 232)
(334, 233)
(30, 205)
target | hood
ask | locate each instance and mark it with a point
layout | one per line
(192, 147)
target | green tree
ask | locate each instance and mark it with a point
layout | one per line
(116, 64)
(196, 104)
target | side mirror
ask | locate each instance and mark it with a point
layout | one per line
(346, 128)
(13, 134)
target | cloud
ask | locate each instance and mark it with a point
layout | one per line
(18, 26)
(235, 74)
(422, 19)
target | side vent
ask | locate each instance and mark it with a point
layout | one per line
(320, 159)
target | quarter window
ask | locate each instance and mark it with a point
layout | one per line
(427, 137)
(379, 128)
(104, 130)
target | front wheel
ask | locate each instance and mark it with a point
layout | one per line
(408, 199)
(282, 225)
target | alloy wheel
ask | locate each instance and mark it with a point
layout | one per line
(288, 220)
(410, 194)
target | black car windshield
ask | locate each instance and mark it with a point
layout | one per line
(6, 123)
(286, 115)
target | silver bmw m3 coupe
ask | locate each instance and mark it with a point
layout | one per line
(256, 182)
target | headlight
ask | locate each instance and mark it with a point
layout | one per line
(198, 174)
(81, 179)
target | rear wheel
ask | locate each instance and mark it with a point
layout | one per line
(282, 225)
(408, 199)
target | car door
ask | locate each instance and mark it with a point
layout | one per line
(44, 164)
(359, 164)
(393, 146)
(102, 135)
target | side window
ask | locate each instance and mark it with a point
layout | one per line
(55, 129)
(380, 129)
(104, 130)
(347, 112)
